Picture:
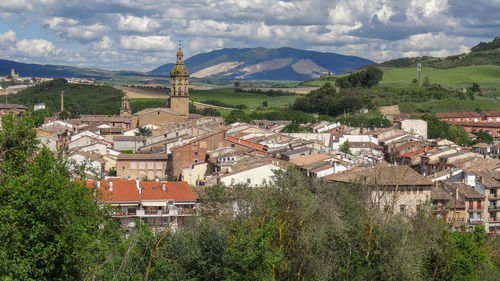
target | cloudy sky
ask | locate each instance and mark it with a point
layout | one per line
(143, 34)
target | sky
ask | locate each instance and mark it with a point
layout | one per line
(144, 34)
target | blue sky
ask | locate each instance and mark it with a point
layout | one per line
(143, 34)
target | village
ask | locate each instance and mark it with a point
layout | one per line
(151, 165)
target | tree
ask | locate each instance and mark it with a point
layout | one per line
(414, 81)
(143, 131)
(236, 84)
(63, 115)
(50, 226)
(346, 147)
(484, 137)
(264, 103)
(238, 116)
(475, 87)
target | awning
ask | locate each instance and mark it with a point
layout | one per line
(125, 205)
(154, 203)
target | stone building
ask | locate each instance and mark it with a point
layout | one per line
(139, 166)
(177, 103)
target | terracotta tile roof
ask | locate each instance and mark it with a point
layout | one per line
(477, 124)
(383, 176)
(491, 113)
(12, 106)
(481, 145)
(125, 157)
(457, 114)
(440, 193)
(467, 191)
(123, 191)
(127, 191)
(178, 191)
(308, 159)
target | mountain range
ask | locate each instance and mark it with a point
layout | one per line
(245, 64)
(267, 64)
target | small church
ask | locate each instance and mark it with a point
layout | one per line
(177, 103)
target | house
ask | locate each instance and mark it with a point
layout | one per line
(393, 188)
(481, 148)
(259, 174)
(160, 204)
(133, 143)
(93, 163)
(138, 166)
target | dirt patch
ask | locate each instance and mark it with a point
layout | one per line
(151, 93)
(393, 109)
(298, 90)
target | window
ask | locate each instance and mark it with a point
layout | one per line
(478, 205)
(421, 190)
(402, 208)
(196, 153)
(471, 205)
(249, 181)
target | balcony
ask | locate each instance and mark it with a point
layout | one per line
(494, 208)
(476, 220)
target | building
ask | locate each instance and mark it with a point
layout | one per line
(393, 188)
(415, 127)
(125, 107)
(133, 143)
(473, 122)
(160, 204)
(177, 104)
(139, 166)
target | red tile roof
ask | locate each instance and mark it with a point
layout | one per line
(127, 191)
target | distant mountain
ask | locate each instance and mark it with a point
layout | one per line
(481, 54)
(268, 64)
(56, 71)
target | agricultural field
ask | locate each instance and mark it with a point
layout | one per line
(229, 96)
(488, 76)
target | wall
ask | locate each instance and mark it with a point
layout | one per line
(416, 126)
(253, 177)
(141, 168)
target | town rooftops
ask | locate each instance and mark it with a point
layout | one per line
(382, 176)
(481, 145)
(467, 191)
(120, 191)
(131, 157)
(12, 106)
(308, 159)
(129, 138)
(178, 191)
(469, 114)
(151, 110)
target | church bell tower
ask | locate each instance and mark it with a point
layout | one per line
(179, 89)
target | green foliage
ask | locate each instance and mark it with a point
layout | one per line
(485, 46)
(366, 78)
(437, 129)
(78, 98)
(346, 147)
(63, 115)
(40, 115)
(327, 101)
(270, 93)
(228, 96)
(143, 131)
(295, 128)
(50, 226)
(238, 116)
(137, 105)
(484, 137)
(264, 104)
(284, 114)
(365, 122)
(475, 87)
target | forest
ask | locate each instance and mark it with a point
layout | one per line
(296, 228)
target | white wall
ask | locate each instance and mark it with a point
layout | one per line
(255, 176)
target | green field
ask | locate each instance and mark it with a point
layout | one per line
(229, 96)
(488, 76)
(450, 105)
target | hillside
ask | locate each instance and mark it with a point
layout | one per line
(78, 98)
(269, 64)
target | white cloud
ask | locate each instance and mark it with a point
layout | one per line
(146, 43)
(16, 6)
(105, 44)
(35, 48)
(132, 23)
(7, 38)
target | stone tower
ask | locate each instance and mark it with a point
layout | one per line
(179, 89)
(125, 107)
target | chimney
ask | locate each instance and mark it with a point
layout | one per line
(110, 185)
(62, 101)
(163, 187)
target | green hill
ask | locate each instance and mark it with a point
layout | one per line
(488, 76)
(78, 98)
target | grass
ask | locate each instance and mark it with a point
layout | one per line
(252, 100)
(450, 105)
(488, 76)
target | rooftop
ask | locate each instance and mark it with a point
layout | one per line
(383, 176)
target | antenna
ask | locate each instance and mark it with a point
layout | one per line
(180, 44)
